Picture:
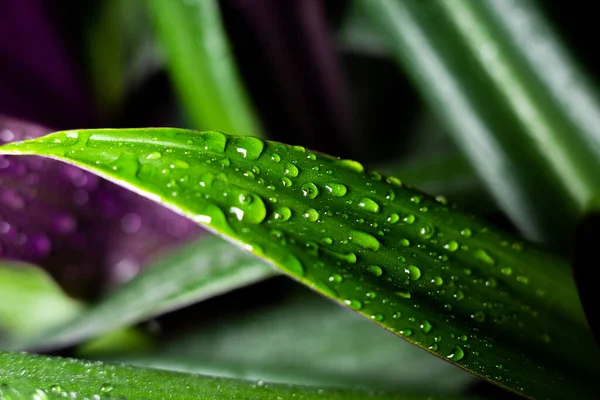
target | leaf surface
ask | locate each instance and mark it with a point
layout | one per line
(441, 279)
(26, 376)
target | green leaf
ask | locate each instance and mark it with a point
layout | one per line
(200, 270)
(202, 65)
(304, 340)
(498, 78)
(441, 279)
(25, 376)
(31, 301)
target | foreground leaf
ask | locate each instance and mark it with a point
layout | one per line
(202, 65)
(30, 301)
(24, 376)
(303, 339)
(437, 277)
(201, 270)
(512, 99)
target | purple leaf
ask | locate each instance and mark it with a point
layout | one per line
(87, 232)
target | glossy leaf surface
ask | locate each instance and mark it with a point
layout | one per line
(202, 65)
(203, 269)
(441, 279)
(24, 376)
(507, 92)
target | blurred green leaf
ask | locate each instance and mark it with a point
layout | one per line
(441, 279)
(119, 50)
(27, 376)
(198, 271)
(510, 96)
(305, 340)
(30, 301)
(202, 65)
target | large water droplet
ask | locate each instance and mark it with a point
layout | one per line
(353, 304)
(310, 190)
(311, 215)
(351, 165)
(282, 214)
(413, 272)
(484, 256)
(451, 245)
(456, 353)
(369, 205)
(375, 270)
(393, 218)
(248, 147)
(336, 189)
(409, 219)
(213, 141)
(154, 156)
(364, 240)
(427, 231)
(290, 170)
(425, 326)
(276, 158)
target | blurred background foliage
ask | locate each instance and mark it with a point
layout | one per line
(492, 103)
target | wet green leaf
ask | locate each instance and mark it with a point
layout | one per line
(433, 275)
(202, 65)
(31, 301)
(24, 376)
(513, 100)
(202, 269)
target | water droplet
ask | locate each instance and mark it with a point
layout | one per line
(106, 388)
(179, 164)
(427, 231)
(364, 240)
(405, 332)
(310, 190)
(275, 157)
(393, 218)
(394, 181)
(353, 304)
(478, 316)
(390, 195)
(282, 214)
(425, 326)
(413, 272)
(348, 257)
(438, 281)
(248, 147)
(377, 317)
(326, 240)
(336, 189)
(523, 279)
(404, 242)
(507, 271)
(452, 246)
(456, 353)
(286, 182)
(375, 270)
(290, 170)
(311, 214)
(484, 256)
(336, 278)
(466, 232)
(154, 156)
(404, 294)
(459, 295)
(409, 219)
(416, 199)
(369, 205)
(351, 165)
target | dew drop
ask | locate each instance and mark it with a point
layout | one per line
(406, 332)
(290, 170)
(336, 278)
(466, 232)
(275, 157)
(478, 316)
(311, 215)
(427, 231)
(248, 147)
(282, 214)
(375, 270)
(213, 141)
(179, 164)
(377, 317)
(507, 271)
(523, 279)
(286, 182)
(456, 353)
(425, 326)
(154, 156)
(310, 190)
(353, 304)
(413, 272)
(451, 246)
(336, 189)
(393, 218)
(409, 219)
(438, 281)
(404, 294)
(351, 165)
(326, 240)
(364, 240)
(404, 242)
(369, 205)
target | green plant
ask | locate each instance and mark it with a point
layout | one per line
(486, 300)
